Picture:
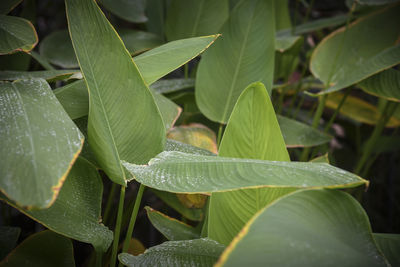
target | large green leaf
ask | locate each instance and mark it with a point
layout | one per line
(306, 228)
(252, 132)
(197, 252)
(171, 228)
(8, 5)
(190, 18)
(160, 61)
(243, 54)
(353, 55)
(119, 99)
(132, 10)
(39, 143)
(16, 34)
(76, 212)
(139, 41)
(8, 239)
(297, 134)
(385, 84)
(45, 249)
(49, 75)
(389, 244)
(57, 49)
(188, 173)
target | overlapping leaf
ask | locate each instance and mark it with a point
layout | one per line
(132, 10)
(385, 84)
(306, 228)
(354, 55)
(76, 212)
(37, 134)
(17, 34)
(197, 252)
(244, 54)
(49, 75)
(389, 244)
(119, 98)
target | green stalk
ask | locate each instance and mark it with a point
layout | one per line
(333, 117)
(221, 126)
(43, 62)
(110, 199)
(388, 111)
(316, 119)
(99, 257)
(117, 227)
(133, 219)
(186, 70)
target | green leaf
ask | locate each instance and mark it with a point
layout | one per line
(155, 11)
(358, 109)
(195, 134)
(297, 134)
(252, 132)
(172, 85)
(169, 110)
(197, 252)
(321, 159)
(74, 98)
(389, 244)
(8, 5)
(49, 75)
(244, 54)
(286, 62)
(139, 41)
(353, 55)
(37, 134)
(76, 212)
(306, 228)
(385, 84)
(173, 145)
(160, 61)
(172, 200)
(16, 34)
(57, 49)
(114, 115)
(132, 11)
(8, 239)
(190, 18)
(171, 228)
(45, 249)
(188, 173)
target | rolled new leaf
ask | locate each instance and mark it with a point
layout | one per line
(124, 121)
(188, 173)
(40, 143)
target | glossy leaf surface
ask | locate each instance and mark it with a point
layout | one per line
(243, 54)
(197, 252)
(353, 54)
(306, 228)
(188, 173)
(16, 34)
(57, 49)
(114, 115)
(76, 212)
(297, 134)
(385, 84)
(171, 228)
(46, 249)
(200, 17)
(37, 134)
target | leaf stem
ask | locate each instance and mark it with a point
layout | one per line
(388, 111)
(221, 126)
(109, 203)
(117, 227)
(316, 119)
(133, 219)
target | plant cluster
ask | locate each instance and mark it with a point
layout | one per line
(218, 123)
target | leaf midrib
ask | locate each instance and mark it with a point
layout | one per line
(235, 75)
